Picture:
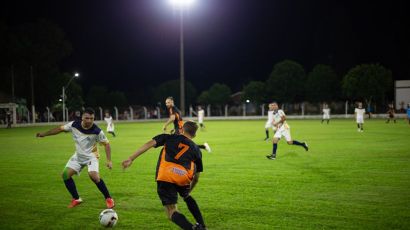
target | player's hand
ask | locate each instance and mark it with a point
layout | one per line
(109, 164)
(164, 129)
(127, 163)
(39, 135)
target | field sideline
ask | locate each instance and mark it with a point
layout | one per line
(347, 180)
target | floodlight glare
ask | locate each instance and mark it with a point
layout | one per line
(182, 3)
(76, 75)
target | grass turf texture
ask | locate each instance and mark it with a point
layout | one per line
(347, 180)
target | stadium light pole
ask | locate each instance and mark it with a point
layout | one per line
(76, 75)
(181, 5)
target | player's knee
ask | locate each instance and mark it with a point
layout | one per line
(65, 175)
(290, 142)
(94, 177)
(188, 199)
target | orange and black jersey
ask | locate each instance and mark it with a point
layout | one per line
(178, 123)
(179, 160)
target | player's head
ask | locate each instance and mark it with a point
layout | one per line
(325, 106)
(360, 104)
(189, 129)
(274, 105)
(199, 107)
(107, 114)
(169, 102)
(88, 117)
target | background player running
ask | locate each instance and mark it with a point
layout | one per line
(178, 169)
(110, 124)
(391, 114)
(283, 129)
(359, 114)
(326, 113)
(201, 115)
(269, 122)
(176, 119)
(86, 135)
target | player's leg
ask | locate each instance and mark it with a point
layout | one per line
(72, 167)
(168, 195)
(266, 133)
(93, 173)
(192, 206)
(328, 120)
(205, 146)
(275, 140)
(294, 142)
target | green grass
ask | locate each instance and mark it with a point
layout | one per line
(348, 180)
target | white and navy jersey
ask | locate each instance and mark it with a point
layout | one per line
(85, 139)
(270, 116)
(277, 117)
(359, 112)
(201, 115)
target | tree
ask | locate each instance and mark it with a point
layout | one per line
(322, 84)
(255, 91)
(171, 88)
(116, 98)
(97, 96)
(369, 82)
(286, 82)
(203, 98)
(219, 94)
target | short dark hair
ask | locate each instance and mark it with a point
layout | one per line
(190, 128)
(170, 98)
(89, 110)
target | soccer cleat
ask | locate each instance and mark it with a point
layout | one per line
(75, 202)
(266, 139)
(358, 130)
(110, 203)
(207, 147)
(305, 145)
(271, 157)
(198, 226)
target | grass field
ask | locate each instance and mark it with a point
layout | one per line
(348, 180)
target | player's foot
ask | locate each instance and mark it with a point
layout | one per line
(110, 203)
(271, 157)
(199, 227)
(358, 130)
(207, 147)
(305, 145)
(75, 202)
(266, 139)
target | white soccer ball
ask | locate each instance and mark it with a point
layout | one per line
(108, 218)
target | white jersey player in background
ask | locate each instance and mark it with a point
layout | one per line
(86, 135)
(201, 115)
(359, 115)
(326, 113)
(269, 122)
(283, 129)
(110, 124)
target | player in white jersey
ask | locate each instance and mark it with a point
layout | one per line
(283, 129)
(269, 122)
(359, 115)
(201, 115)
(110, 124)
(86, 135)
(326, 113)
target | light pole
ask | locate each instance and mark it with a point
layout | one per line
(76, 75)
(181, 5)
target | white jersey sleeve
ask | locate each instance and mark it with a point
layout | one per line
(67, 127)
(101, 138)
(281, 113)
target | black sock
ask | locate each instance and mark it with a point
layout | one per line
(113, 134)
(181, 221)
(70, 185)
(298, 143)
(267, 134)
(194, 209)
(358, 125)
(275, 147)
(328, 121)
(103, 189)
(361, 126)
(201, 146)
(322, 121)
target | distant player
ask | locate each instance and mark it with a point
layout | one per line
(359, 114)
(269, 122)
(391, 114)
(110, 124)
(326, 113)
(8, 119)
(86, 135)
(176, 119)
(178, 170)
(283, 129)
(201, 115)
(408, 113)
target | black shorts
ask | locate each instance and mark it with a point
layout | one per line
(168, 192)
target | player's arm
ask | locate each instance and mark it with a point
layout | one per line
(107, 148)
(282, 119)
(50, 132)
(170, 120)
(195, 180)
(127, 163)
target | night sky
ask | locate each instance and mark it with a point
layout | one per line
(129, 45)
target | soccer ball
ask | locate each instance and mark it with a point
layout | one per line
(108, 218)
